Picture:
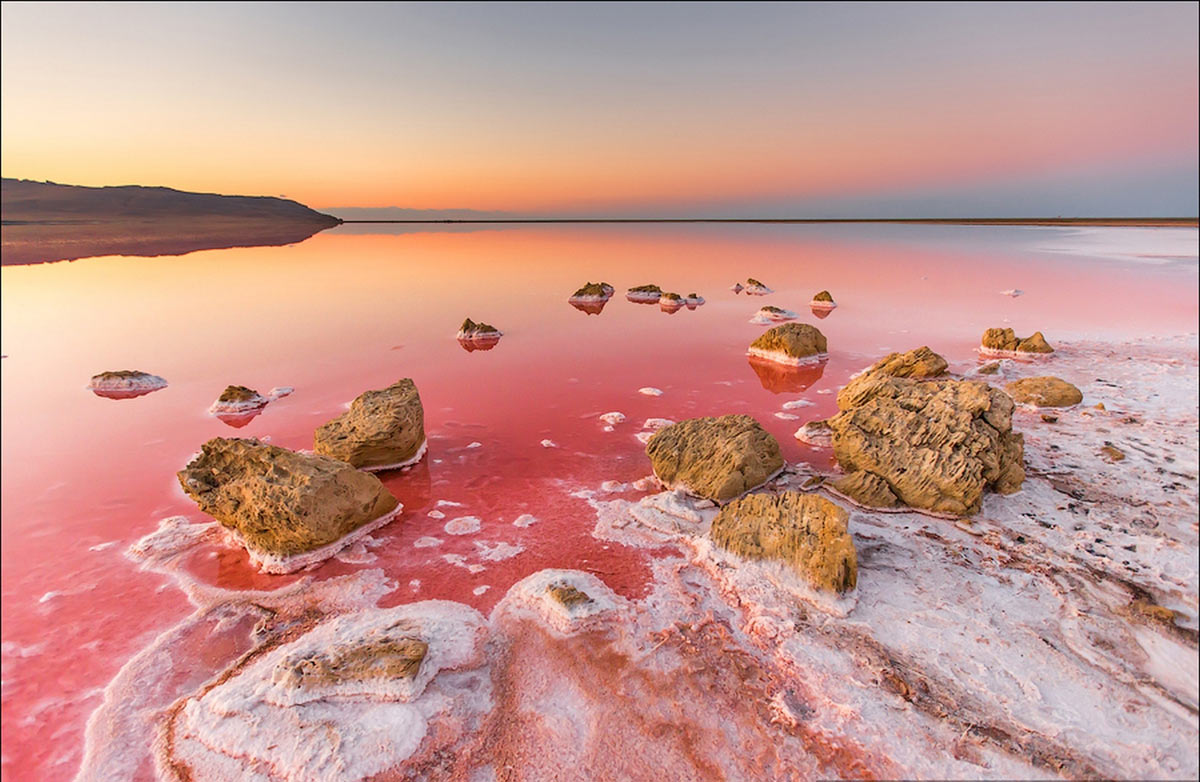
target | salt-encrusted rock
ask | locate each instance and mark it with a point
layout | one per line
(593, 292)
(803, 531)
(773, 314)
(670, 302)
(790, 343)
(1112, 453)
(693, 300)
(470, 330)
(866, 488)
(990, 368)
(1046, 391)
(1006, 341)
(938, 444)
(756, 288)
(382, 430)
(237, 399)
(644, 294)
(125, 384)
(815, 433)
(823, 300)
(289, 510)
(566, 601)
(917, 364)
(715, 458)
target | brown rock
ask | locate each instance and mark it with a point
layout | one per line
(989, 369)
(1112, 453)
(938, 444)
(1050, 419)
(918, 364)
(867, 488)
(398, 658)
(384, 428)
(281, 503)
(803, 531)
(1007, 340)
(789, 342)
(1046, 391)
(823, 297)
(239, 394)
(715, 458)
(568, 595)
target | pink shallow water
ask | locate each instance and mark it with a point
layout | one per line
(85, 476)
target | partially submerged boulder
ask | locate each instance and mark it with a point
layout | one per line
(773, 314)
(289, 510)
(937, 444)
(670, 302)
(804, 532)
(644, 294)
(593, 292)
(919, 364)
(471, 330)
(816, 433)
(1046, 391)
(382, 430)
(237, 399)
(790, 343)
(693, 300)
(755, 288)
(823, 300)
(1006, 341)
(715, 458)
(125, 384)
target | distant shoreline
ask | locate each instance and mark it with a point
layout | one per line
(1125, 222)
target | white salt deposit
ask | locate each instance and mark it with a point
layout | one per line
(416, 457)
(525, 520)
(779, 357)
(644, 437)
(649, 391)
(475, 445)
(479, 590)
(798, 403)
(269, 562)
(436, 514)
(1014, 292)
(549, 444)
(534, 596)
(612, 418)
(654, 424)
(426, 542)
(278, 392)
(497, 551)
(463, 525)
(787, 417)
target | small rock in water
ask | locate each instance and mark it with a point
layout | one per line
(436, 514)
(475, 444)
(383, 429)
(790, 343)
(525, 520)
(612, 418)
(650, 391)
(549, 444)
(1050, 419)
(1014, 292)
(798, 403)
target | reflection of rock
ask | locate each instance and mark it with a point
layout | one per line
(937, 444)
(238, 420)
(289, 510)
(1044, 391)
(786, 378)
(592, 292)
(235, 400)
(805, 532)
(821, 312)
(590, 307)
(1005, 341)
(715, 458)
(478, 336)
(918, 364)
(670, 302)
(823, 301)
(125, 384)
(790, 343)
(481, 343)
(644, 294)
(382, 430)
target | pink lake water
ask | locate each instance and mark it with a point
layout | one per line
(354, 309)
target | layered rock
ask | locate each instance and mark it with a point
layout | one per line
(937, 444)
(866, 488)
(644, 294)
(1006, 341)
(1046, 391)
(289, 510)
(714, 458)
(919, 364)
(806, 533)
(790, 343)
(383, 429)
(125, 384)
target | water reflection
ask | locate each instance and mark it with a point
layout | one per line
(240, 419)
(821, 312)
(127, 393)
(783, 379)
(590, 307)
(478, 343)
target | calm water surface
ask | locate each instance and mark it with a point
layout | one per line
(84, 476)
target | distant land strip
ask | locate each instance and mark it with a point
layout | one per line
(1130, 222)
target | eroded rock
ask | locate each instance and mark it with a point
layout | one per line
(823, 300)
(866, 488)
(790, 343)
(803, 531)
(383, 429)
(125, 384)
(593, 292)
(1006, 341)
(715, 458)
(918, 364)
(644, 294)
(1045, 391)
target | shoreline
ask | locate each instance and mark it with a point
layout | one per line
(1067, 222)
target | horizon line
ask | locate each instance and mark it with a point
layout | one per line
(941, 220)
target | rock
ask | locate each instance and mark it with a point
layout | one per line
(823, 300)
(1112, 453)
(289, 510)
(1100, 406)
(1006, 341)
(989, 369)
(790, 343)
(568, 595)
(1046, 391)
(237, 399)
(937, 444)
(815, 433)
(644, 294)
(756, 288)
(693, 300)
(868, 489)
(1050, 419)
(125, 384)
(714, 458)
(593, 292)
(385, 658)
(805, 532)
(772, 314)
(736, 287)
(918, 364)
(470, 330)
(382, 430)
(670, 302)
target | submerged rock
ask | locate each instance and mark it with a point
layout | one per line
(790, 343)
(1046, 391)
(937, 444)
(921, 363)
(1006, 341)
(289, 510)
(805, 532)
(823, 300)
(125, 384)
(382, 430)
(593, 292)
(714, 458)
(644, 294)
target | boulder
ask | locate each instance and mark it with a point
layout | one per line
(1046, 391)
(790, 343)
(937, 444)
(866, 488)
(670, 302)
(383, 429)
(804, 532)
(714, 458)
(289, 510)
(823, 299)
(125, 384)
(470, 330)
(593, 291)
(918, 364)
(756, 288)
(237, 399)
(1006, 341)
(644, 294)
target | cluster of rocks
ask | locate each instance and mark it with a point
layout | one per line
(668, 301)
(1006, 342)
(751, 287)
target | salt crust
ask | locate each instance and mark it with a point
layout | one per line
(143, 382)
(779, 357)
(613, 418)
(798, 403)
(531, 596)
(462, 525)
(650, 391)
(525, 520)
(268, 562)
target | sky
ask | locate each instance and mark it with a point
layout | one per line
(617, 110)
